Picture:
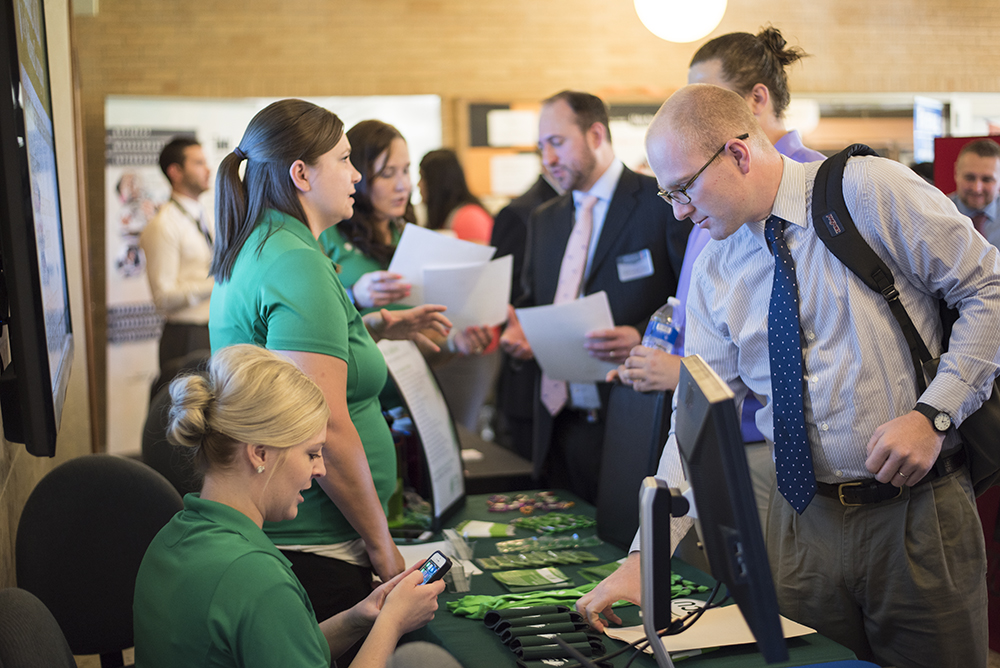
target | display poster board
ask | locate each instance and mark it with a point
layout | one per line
(432, 419)
(136, 129)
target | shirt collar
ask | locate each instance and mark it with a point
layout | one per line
(790, 201)
(276, 219)
(604, 188)
(233, 520)
(990, 210)
(192, 206)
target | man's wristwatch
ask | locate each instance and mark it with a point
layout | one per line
(940, 420)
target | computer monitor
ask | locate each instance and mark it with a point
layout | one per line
(707, 430)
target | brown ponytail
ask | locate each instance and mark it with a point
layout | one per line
(280, 134)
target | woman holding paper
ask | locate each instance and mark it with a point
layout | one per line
(276, 289)
(363, 245)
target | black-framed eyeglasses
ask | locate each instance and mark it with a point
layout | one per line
(680, 195)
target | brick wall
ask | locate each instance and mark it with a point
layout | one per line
(491, 49)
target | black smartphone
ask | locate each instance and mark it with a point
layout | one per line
(435, 567)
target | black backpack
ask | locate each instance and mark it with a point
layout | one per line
(980, 431)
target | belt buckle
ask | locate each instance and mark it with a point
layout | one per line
(843, 502)
(840, 493)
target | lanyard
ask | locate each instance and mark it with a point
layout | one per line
(196, 222)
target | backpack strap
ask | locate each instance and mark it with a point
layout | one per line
(835, 226)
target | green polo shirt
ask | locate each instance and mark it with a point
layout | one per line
(214, 591)
(353, 263)
(283, 294)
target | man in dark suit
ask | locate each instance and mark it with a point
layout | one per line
(627, 243)
(516, 383)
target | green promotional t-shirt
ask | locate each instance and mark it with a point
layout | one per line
(283, 294)
(214, 591)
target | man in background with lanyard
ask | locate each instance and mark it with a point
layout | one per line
(177, 243)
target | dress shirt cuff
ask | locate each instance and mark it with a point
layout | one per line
(952, 395)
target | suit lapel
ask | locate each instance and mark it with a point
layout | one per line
(622, 204)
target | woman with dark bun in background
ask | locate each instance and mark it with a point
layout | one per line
(213, 590)
(754, 67)
(275, 288)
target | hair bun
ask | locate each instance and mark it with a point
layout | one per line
(191, 400)
(774, 41)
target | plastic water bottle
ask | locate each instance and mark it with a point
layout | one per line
(661, 332)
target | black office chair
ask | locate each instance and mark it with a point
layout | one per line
(80, 540)
(30, 637)
(172, 462)
(636, 430)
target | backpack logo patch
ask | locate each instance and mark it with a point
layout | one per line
(832, 223)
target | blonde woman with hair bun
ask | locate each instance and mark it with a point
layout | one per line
(213, 589)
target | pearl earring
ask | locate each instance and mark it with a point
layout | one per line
(260, 469)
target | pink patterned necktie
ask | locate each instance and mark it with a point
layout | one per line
(555, 392)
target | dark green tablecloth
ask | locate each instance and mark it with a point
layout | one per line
(475, 646)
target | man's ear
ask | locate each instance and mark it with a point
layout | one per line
(299, 174)
(597, 134)
(740, 150)
(758, 99)
(175, 173)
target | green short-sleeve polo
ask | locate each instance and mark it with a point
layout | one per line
(283, 294)
(352, 262)
(214, 591)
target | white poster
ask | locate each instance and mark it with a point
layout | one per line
(136, 130)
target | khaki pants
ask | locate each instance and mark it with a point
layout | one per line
(900, 583)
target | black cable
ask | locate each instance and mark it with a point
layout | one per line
(677, 626)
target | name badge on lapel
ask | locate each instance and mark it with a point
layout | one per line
(635, 265)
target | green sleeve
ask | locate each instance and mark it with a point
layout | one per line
(305, 306)
(262, 613)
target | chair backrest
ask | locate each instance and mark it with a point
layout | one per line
(636, 430)
(172, 462)
(81, 537)
(30, 637)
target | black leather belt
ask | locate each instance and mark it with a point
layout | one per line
(865, 492)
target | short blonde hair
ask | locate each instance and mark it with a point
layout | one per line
(248, 395)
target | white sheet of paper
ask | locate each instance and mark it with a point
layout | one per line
(420, 248)
(556, 334)
(433, 421)
(417, 554)
(718, 627)
(475, 294)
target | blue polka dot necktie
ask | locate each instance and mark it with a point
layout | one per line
(792, 458)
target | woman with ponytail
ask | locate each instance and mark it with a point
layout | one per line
(212, 589)
(276, 289)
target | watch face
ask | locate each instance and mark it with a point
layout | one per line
(942, 422)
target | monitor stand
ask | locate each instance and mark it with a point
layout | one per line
(657, 504)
